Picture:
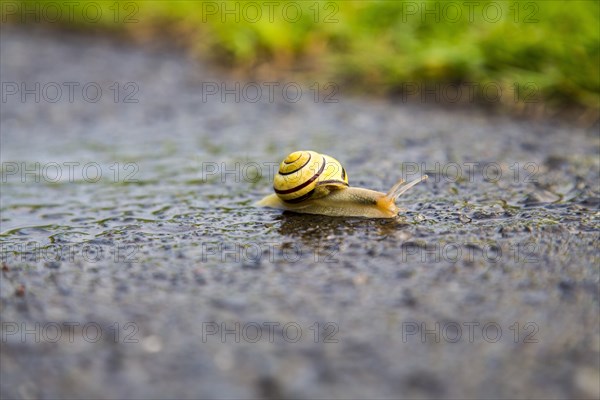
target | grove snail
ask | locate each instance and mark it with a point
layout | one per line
(313, 183)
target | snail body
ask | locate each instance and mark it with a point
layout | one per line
(313, 183)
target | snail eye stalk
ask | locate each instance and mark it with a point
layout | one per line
(399, 188)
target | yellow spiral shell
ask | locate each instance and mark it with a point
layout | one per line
(308, 174)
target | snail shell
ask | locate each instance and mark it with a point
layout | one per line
(313, 183)
(308, 174)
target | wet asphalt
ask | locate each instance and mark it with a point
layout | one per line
(136, 266)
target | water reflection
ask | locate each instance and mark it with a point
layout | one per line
(318, 230)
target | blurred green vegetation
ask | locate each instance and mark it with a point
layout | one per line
(534, 50)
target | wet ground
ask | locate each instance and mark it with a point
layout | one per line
(135, 265)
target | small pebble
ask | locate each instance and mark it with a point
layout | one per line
(587, 380)
(464, 219)
(20, 291)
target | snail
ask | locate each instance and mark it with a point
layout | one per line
(313, 183)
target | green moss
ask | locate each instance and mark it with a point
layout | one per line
(551, 46)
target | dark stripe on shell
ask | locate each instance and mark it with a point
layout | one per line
(289, 162)
(343, 174)
(303, 185)
(332, 181)
(297, 169)
(301, 198)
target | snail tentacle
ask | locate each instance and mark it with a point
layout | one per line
(399, 188)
